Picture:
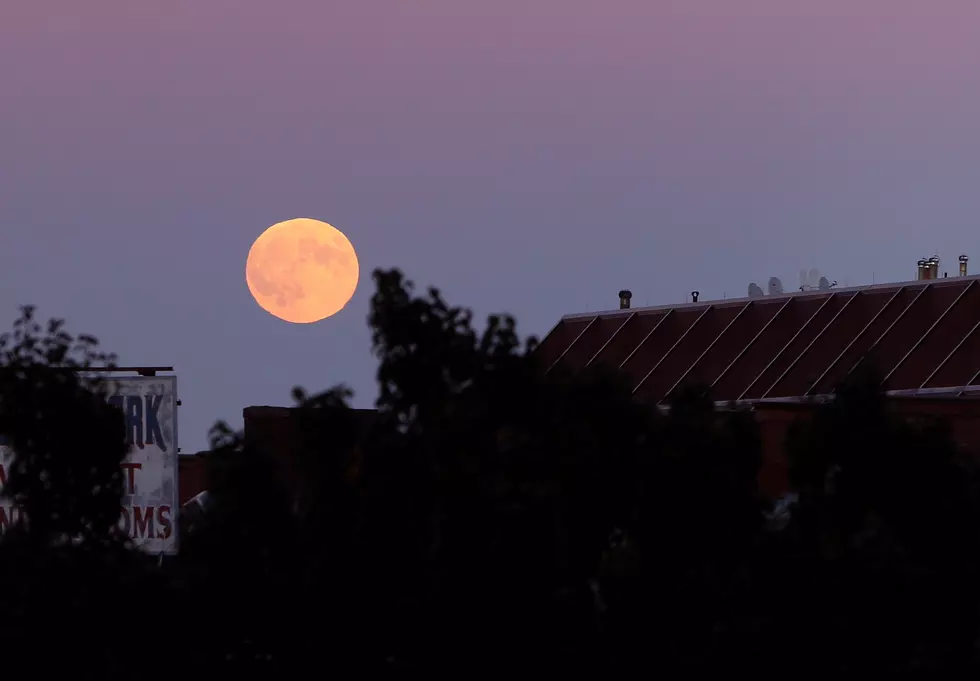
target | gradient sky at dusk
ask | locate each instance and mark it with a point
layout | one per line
(530, 156)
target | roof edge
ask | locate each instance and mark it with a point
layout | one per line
(702, 303)
(950, 393)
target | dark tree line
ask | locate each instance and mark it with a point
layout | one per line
(487, 521)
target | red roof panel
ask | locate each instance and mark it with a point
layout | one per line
(725, 347)
(765, 348)
(960, 361)
(909, 328)
(878, 324)
(662, 377)
(828, 344)
(921, 334)
(596, 333)
(939, 339)
(557, 342)
(630, 335)
(658, 342)
(785, 359)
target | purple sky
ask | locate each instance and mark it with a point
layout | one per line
(531, 156)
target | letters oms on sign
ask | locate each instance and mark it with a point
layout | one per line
(138, 522)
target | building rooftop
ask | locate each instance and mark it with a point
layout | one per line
(921, 335)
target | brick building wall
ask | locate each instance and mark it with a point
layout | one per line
(274, 432)
(192, 476)
(775, 418)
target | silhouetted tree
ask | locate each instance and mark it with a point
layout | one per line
(676, 580)
(68, 441)
(240, 564)
(269, 562)
(68, 576)
(492, 492)
(493, 517)
(879, 572)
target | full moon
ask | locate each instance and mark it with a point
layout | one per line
(302, 270)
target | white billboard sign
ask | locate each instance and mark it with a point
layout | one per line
(149, 502)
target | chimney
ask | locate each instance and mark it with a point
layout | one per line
(963, 260)
(934, 267)
(922, 272)
(624, 299)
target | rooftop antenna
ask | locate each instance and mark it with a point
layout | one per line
(775, 286)
(823, 284)
(809, 280)
(755, 291)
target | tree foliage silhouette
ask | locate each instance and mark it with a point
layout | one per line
(68, 442)
(494, 516)
(67, 571)
(885, 541)
(492, 495)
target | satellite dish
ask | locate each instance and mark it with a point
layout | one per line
(775, 286)
(755, 290)
(824, 284)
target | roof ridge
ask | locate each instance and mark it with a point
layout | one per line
(614, 312)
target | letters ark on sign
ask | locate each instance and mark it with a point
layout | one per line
(142, 419)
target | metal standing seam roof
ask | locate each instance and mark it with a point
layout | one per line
(920, 335)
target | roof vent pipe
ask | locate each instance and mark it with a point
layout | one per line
(624, 299)
(694, 295)
(963, 260)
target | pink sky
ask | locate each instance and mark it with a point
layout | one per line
(528, 155)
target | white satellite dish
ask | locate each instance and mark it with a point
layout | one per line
(775, 286)
(755, 290)
(824, 284)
